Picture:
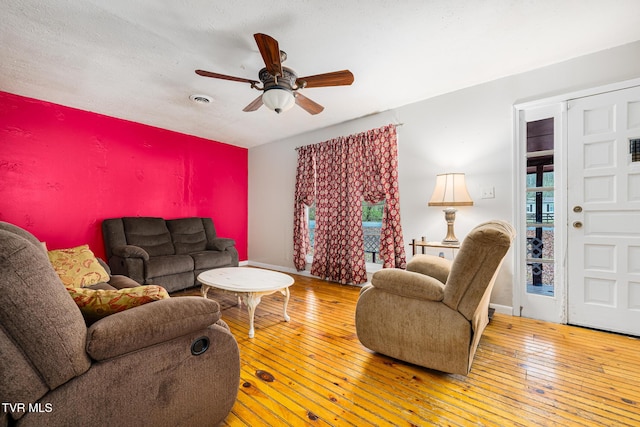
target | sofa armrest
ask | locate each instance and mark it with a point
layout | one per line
(408, 284)
(149, 324)
(434, 266)
(130, 251)
(220, 244)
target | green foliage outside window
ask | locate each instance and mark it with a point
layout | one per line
(370, 213)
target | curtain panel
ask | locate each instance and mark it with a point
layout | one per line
(305, 194)
(338, 175)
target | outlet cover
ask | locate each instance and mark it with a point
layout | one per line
(488, 193)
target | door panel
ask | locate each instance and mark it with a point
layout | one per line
(604, 212)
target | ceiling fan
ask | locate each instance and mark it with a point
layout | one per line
(281, 85)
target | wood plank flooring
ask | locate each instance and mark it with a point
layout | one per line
(525, 373)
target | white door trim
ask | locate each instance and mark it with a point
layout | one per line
(543, 307)
(525, 105)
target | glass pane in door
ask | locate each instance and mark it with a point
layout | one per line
(540, 208)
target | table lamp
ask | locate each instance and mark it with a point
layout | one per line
(450, 191)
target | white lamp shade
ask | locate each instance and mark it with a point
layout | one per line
(278, 99)
(450, 190)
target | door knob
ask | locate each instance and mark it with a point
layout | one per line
(577, 209)
(577, 224)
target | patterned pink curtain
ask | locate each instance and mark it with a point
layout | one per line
(305, 195)
(348, 170)
(381, 183)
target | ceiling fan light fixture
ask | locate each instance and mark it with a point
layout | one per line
(278, 99)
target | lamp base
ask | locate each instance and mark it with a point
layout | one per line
(450, 217)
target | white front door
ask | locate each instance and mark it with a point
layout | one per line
(603, 210)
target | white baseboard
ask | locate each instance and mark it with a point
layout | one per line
(371, 268)
(278, 268)
(502, 309)
(305, 273)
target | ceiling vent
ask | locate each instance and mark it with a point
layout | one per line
(201, 99)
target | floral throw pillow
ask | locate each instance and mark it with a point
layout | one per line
(96, 304)
(77, 267)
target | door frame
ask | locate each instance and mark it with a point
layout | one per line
(552, 309)
(542, 307)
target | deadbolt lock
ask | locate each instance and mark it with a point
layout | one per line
(577, 224)
(577, 209)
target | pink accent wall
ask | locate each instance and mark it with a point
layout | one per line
(63, 170)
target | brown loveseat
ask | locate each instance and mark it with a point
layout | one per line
(169, 253)
(170, 362)
(433, 314)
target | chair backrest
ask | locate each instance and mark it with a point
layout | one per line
(42, 332)
(474, 269)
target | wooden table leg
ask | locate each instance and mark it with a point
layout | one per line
(252, 300)
(286, 294)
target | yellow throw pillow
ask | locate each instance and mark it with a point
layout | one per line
(98, 303)
(77, 267)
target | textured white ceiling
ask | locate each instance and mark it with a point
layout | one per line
(135, 59)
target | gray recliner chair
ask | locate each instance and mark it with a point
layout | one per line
(169, 362)
(433, 314)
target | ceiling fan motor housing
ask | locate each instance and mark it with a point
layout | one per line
(283, 98)
(287, 81)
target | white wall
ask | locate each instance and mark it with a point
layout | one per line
(468, 131)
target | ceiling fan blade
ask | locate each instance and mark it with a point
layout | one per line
(308, 105)
(336, 78)
(270, 52)
(255, 104)
(225, 77)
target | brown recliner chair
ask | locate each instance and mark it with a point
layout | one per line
(434, 313)
(166, 363)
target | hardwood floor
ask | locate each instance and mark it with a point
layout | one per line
(525, 373)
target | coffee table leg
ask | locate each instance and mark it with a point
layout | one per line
(252, 300)
(286, 294)
(204, 290)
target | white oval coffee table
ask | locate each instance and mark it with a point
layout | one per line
(250, 284)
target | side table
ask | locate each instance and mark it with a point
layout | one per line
(423, 244)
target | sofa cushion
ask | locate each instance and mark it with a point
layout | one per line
(77, 267)
(151, 234)
(206, 260)
(98, 303)
(188, 235)
(167, 265)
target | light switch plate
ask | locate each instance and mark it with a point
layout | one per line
(488, 193)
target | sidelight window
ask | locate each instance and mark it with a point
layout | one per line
(540, 209)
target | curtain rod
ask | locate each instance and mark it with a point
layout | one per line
(397, 125)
